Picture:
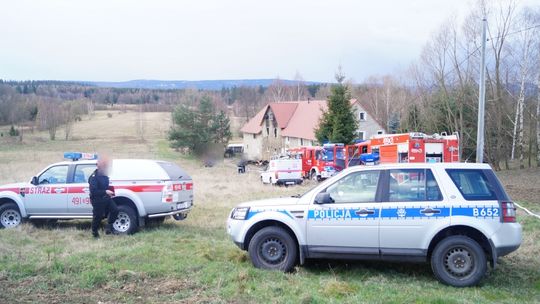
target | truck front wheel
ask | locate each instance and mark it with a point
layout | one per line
(459, 261)
(10, 216)
(273, 248)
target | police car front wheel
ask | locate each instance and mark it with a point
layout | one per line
(273, 248)
(459, 261)
(10, 216)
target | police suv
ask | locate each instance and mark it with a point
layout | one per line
(146, 191)
(457, 216)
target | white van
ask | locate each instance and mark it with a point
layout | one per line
(283, 171)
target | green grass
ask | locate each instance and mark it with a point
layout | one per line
(194, 261)
(180, 261)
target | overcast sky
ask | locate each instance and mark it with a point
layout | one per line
(117, 40)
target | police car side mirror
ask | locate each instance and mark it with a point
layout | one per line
(323, 198)
(34, 181)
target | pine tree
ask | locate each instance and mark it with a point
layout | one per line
(338, 124)
(199, 128)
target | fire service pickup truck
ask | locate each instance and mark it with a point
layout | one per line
(146, 191)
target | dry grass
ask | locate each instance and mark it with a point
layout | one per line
(193, 261)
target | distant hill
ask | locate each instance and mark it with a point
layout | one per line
(197, 84)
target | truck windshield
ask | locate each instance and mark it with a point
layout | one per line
(340, 153)
(328, 155)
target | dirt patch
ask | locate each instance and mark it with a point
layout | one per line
(522, 185)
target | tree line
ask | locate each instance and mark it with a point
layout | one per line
(437, 93)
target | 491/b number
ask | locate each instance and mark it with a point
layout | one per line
(490, 212)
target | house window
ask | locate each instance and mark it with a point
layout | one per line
(287, 139)
(360, 135)
(275, 132)
(267, 131)
(362, 116)
(380, 132)
(254, 136)
(301, 141)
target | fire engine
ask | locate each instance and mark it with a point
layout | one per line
(412, 147)
(321, 162)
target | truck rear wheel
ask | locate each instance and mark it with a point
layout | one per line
(126, 221)
(273, 248)
(459, 261)
(10, 216)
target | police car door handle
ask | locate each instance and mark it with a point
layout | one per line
(429, 210)
(364, 212)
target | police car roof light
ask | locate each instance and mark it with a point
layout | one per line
(74, 156)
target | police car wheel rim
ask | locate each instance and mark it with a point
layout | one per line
(273, 251)
(10, 218)
(122, 222)
(459, 262)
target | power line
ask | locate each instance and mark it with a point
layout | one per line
(516, 32)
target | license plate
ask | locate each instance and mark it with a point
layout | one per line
(289, 183)
(183, 205)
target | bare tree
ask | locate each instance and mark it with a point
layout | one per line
(523, 53)
(50, 116)
(277, 91)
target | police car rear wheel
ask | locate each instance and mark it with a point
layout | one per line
(459, 261)
(126, 221)
(273, 248)
(10, 216)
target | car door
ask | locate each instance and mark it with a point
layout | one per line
(349, 225)
(78, 199)
(49, 195)
(412, 208)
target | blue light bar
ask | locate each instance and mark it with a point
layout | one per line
(79, 155)
(369, 157)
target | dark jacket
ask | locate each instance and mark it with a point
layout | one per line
(98, 185)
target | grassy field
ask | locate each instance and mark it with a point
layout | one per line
(193, 261)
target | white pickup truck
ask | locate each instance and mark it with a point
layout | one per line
(145, 191)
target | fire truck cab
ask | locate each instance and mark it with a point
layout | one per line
(321, 162)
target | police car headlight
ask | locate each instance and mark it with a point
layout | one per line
(240, 213)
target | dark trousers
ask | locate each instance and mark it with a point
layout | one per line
(100, 208)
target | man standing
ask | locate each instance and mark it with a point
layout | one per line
(101, 197)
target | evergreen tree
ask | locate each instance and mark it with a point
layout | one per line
(338, 124)
(13, 131)
(198, 128)
(221, 128)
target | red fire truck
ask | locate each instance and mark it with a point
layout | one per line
(321, 162)
(406, 147)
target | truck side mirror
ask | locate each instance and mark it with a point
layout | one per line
(323, 198)
(34, 181)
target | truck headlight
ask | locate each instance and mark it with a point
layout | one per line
(240, 213)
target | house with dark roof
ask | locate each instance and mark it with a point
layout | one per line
(281, 125)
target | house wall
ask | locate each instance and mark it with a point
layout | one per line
(369, 125)
(252, 145)
(293, 142)
(272, 142)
